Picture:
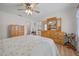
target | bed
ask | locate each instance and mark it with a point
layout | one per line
(30, 45)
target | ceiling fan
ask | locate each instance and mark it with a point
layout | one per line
(29, 8)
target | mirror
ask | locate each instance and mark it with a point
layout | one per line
(52, 23)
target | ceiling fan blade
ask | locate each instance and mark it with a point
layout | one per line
(34, 5)
(19, 4)
(21, 9)
(20, 15)
(37, 11)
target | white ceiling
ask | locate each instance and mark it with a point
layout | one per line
(45, 9)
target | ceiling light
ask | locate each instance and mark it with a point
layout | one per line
(29, 12)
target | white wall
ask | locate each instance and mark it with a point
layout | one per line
(68, 20)
(77, 15)
(0, 32)
(7, 19)
(0, 29)
(0, 25)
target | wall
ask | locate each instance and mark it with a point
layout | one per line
(77, 15)
(68, 20)
(0, 26)
(0, 32)
(7, 19)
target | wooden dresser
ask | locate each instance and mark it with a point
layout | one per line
(53, 30)
(57, 36)
(15, 30)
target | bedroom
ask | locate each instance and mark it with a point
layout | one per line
(35, 25)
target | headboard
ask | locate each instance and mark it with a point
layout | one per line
(15, 30)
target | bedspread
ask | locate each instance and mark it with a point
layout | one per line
(29, 45)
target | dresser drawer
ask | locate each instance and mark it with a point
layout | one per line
(60, 42)
(57, 36)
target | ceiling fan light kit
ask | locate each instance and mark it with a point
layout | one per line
(30, 8)
(29, 12)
